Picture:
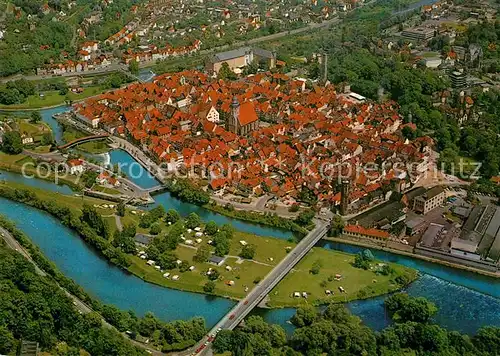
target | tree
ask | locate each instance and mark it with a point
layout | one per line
(167, 260)
(120, 209)
(487, 339)
(304, 316)
(36, 117)
(226, 73)
(211, 228)
(336, 226)
(361, 262)
(404, 308)
(155, 229)
(305, 217)
(184, 266)
(12, 143)
(222, 243)
(202, 254)
(223, 342)
(316, 267)
(47, 139)
(408, 133)
(214, 275)
(125, 239)
(6, 340)
(209, 287)
(172, 216)
(133, 67)
(222, 247)
(248, 252)
(152, 252)
(95, 220)
(192, 221)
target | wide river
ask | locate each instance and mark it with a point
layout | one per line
(466, 301)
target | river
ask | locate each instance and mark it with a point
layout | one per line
(460, 308)
(466, 301)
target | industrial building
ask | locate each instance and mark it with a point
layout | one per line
(480, 237)
(419, 33)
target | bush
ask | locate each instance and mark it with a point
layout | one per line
(209, 287)
(316, 267)
(155, 229)
(248, 252)
(305, 217)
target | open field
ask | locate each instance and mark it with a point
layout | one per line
(75, 203)
(357, 283)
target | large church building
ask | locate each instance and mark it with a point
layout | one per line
(243, 119)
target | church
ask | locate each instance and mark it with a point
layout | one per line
(243, 119)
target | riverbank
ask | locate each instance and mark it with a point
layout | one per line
(82, 301)
(236, 275)
(24, 164)
(413, 255)
(117, 287)
(256, 217)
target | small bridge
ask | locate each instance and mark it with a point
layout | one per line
(81, 140)
(156, 190)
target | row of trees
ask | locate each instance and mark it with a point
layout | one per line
(187, 192)
(336, 332)
(89, 225)
(171, 336)
(33, 308)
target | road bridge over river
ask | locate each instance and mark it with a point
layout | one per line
(245, 306)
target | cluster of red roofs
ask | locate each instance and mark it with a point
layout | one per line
(307, 135)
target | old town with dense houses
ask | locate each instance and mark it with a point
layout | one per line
(266, 133)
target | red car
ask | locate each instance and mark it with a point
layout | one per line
(246, 302)
(231, 317)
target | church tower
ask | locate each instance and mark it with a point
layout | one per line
(344, 197)
(232, 124)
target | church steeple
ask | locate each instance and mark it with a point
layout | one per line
(235, 114)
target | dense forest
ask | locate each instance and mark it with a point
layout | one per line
(176, 335)
(336, 332)
(34, 308)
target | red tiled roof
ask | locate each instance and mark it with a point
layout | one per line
(247, 113)
(358, 229)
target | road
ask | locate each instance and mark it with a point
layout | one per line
(245, 306)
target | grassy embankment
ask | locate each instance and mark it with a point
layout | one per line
(15, 163)
(269, 251)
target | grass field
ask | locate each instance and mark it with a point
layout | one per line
(353, 280)
(52, 98)
(94, 147)
(75, 203)
(14, 163)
